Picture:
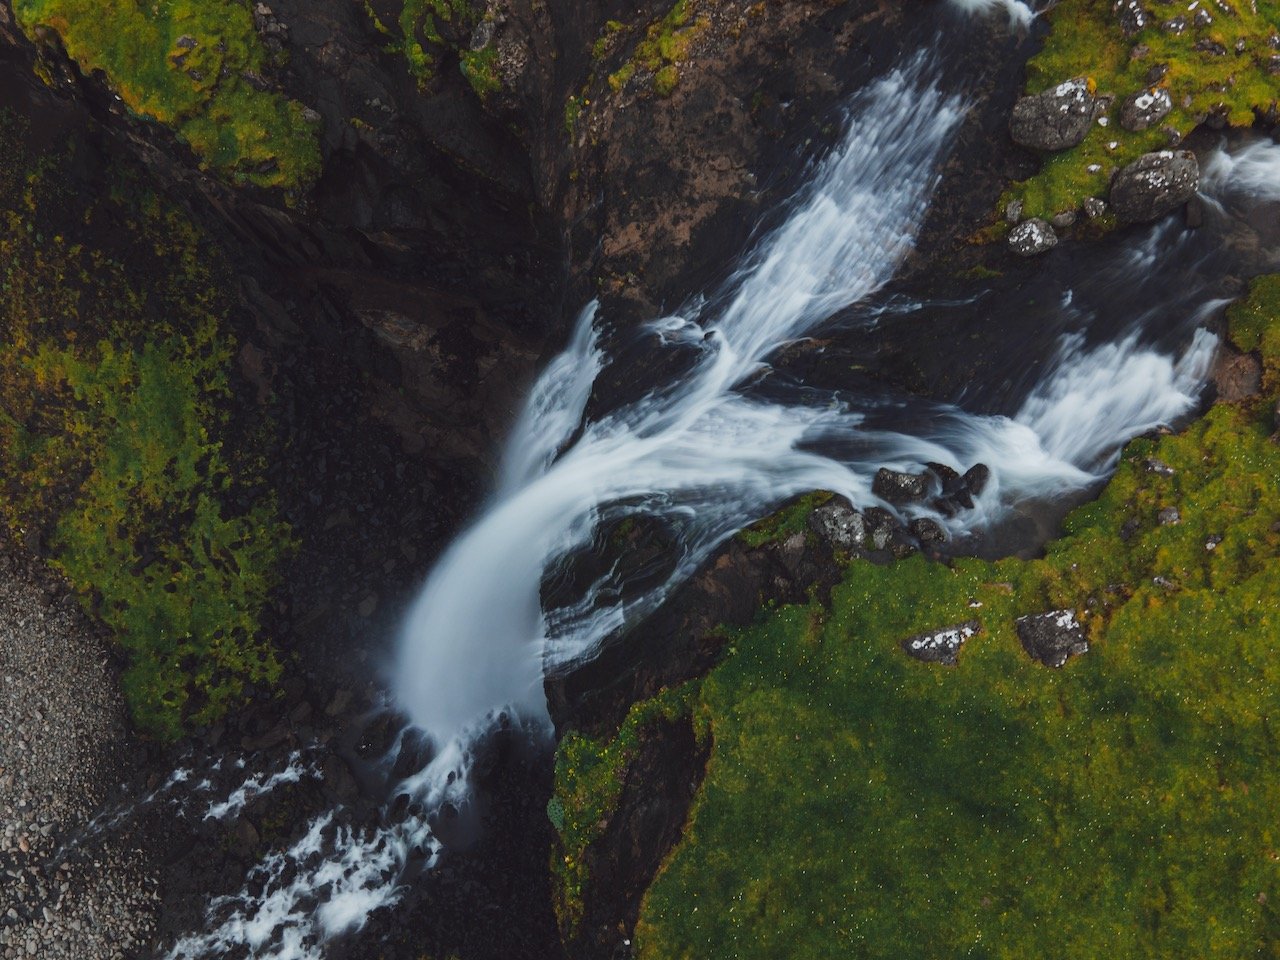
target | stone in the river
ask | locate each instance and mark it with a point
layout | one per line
(1056, 119)
(1144, 108)
(1131, 15)
(1052, 637)
(976, 477)
(896, 487)
(837, 522)
(926, 530)
(1154, 184)
(1032, 237)
(941, 646)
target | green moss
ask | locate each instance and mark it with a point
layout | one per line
(480, 67)
(1252, 329)
(666, 42)
(860, 803)
(588, 783)
(1086, 40)
(203, 92)
(117, 452)
(605, 42)
(433, 29)
(572, 111)
(791, 519)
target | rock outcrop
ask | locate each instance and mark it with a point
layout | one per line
(1055, 119)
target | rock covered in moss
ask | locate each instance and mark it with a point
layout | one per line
(1155, 184)
(1052, 637)
(1145, 108)
(941, 646)
(1032, 237)
(1055, 119)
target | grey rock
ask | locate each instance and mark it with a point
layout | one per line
(896, 487)
(1168, 516)
(1132, 16)
(1157, 73)
(1061, 221)
(839, 524)
(1177, 26)
(1055, 119)
(1032, 237)
(1094, 207)
(1159, 467)
(1211, 47)
(975, 478)
(482, 35)
(1145, 108)
(1154, 184)
(1052, 637)
(1013, 211)
(926, 530)
(941, 646)
(1202, 18)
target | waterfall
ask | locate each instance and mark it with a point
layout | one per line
(707, 454)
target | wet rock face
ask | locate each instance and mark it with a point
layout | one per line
(1032, 238)
(1145, 108)
(1057, 119)
(941, 646)
(1154, 184)
(1052, 637)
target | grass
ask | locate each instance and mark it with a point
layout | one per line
(588, 782)
(202, 92)
(1086, 40)
(118, 451)
(860, 803)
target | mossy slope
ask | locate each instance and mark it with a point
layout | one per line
(117, 452)
(195, 66)
(1086, 39)
(860, 803)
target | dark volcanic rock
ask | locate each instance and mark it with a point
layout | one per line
(1131, 16)
(941, 646)
(1237, 376)
(926, 530)
(1154, 184)
(1056, 119)
(896, 487)
(1052, 637)
(1145, 108)
(1032, 237)
(839, 524)
(976, 477)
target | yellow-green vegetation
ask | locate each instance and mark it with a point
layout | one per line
(480, 67)
(430, 30)
(1086, 40)
(588, 784)
(666, 43)
(791, 519)
(117, 452)
(858, 802)
(191, 65)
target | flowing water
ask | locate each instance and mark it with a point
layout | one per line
(708, 453)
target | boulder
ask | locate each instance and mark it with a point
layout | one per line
(1094, 207)
(839, 524)
(1154, 184)
(1237, 376)
(1052, 637)
(1032, 237)
(896, 487)
(1145, 108)
(926, 530)
(1056, 119)
(1131, 15)
(941, 646)
(976, 477)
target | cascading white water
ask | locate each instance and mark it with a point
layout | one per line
(707, 457)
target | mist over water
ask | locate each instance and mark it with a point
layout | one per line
(705, 455)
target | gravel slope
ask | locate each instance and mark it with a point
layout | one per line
(62, 741)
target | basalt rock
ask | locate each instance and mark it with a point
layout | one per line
(941, 646)
(1154, 184)
(1052, 637)
(1032, 237)
(1056, 119)
(897, 487)
(1145, 108)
